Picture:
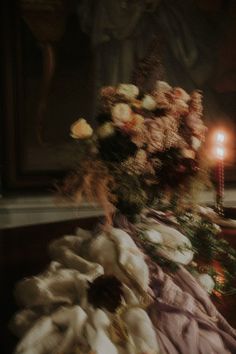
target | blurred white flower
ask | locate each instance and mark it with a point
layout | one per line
(188, 153)
(196, 143)
(197, 126)
(181, 94)
(180, 106)
(121, 114)
(162, 86)
(81, 129)
(128, 90)
(206, 281)
(149, 103)
(192, 120)
(105, 130)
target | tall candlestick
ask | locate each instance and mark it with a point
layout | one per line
(220, 173)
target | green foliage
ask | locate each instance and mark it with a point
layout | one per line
(210, 248)
(116, 148)
(131, 198)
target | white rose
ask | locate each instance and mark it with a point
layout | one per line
(181, 94)
(162, 86)
(81, 129)
(206, 281)
(188, 153)
(196, 143)
(105, 130)
(137, 121)
(193, 120)
(149, 103)
(181, 106)
(121, 114)
(128, 90)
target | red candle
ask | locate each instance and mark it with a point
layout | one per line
(220, 138)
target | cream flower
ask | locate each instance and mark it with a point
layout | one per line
(193, 120)
(206, 281)
(81, 129)
(188, 153)
(105, 130)
(128, 90)
(196, 125)
(180, 106)
(121, 114)
(137, 122)
(196, 143)
(181, 94)
(162, 86)
(149, 103)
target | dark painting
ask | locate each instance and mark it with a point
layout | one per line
(48, 72)
(54, 59)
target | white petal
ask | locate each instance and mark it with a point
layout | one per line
(206, 281)
(196, 143)
(162, 86)
(149, 103)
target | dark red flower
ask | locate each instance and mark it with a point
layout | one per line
(105, 292)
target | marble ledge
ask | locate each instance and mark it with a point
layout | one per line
(32, 210)
(40, 209)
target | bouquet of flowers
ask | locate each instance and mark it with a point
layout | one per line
(145, 150)
(147, 154)
(133, 285)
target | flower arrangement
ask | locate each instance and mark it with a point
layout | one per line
(146, 152)
(145, 149)
(109, 290)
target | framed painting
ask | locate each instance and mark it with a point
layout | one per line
(50, 71)
(47, 68)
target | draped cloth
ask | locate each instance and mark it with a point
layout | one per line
(185, 319)
(120, 33)
(55, 310)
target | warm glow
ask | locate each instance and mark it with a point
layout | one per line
(220, 152)
(220, 138)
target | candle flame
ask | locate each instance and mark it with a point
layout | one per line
(220, 152)
(220, 138)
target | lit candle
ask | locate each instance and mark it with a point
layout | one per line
(220, 152)
(220, 138)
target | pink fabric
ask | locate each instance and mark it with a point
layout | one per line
(185, 319)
